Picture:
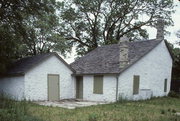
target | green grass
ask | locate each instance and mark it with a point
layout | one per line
(11, 110)
(159, 109)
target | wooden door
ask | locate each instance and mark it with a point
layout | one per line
(53, 87)
(79, 87)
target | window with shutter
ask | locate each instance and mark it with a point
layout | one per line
(136, 84)
(98, 85)
(165, 85)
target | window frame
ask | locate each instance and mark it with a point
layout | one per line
(96, 89)
(136, 78)
(165, 85)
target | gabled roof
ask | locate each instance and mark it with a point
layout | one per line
(105, 59)
(23, 65)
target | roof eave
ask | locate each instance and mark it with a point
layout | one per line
(81, 74)
(12, 74)
(64, 62)
(169, 49)
(52, 54)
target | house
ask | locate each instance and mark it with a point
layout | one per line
(130, 70)
(101, 77)
(41, 77)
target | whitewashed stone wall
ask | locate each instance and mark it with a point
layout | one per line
(153, 69)
(36, 87)
(109, 89)
(13, 87)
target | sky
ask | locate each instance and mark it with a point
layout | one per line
(152, 32)
(172, 38)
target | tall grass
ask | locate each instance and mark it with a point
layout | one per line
(11, 110)
(156, 109)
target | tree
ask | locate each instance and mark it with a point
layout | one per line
(176, 61)
(178, 35)
(176, 64)
(90, 23)
(27, 27)
(7, 47)
(40, 34)
(10, 18)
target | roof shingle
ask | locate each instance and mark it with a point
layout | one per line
(23, 65)
(105, 59)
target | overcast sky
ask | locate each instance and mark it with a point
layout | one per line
(152, 32)
(172, 29)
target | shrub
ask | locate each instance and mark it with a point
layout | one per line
(122, 99)
(173, 111)
(173, 94)
(93, 117)
(169, 110)
(162, 111)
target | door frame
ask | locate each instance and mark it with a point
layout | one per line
(77, 97)
(48, 85)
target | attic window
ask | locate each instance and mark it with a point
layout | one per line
(98, 84)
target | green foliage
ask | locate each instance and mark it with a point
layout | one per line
(7, 47)
(178, 35)
(173, 94)
(169, 111)
(122, 99)
(176, 64)
(148, 110)
(14, 111)
(40, 34)
(174, 111)
(93, 117)
(28, 27)
(89, 24)
(163, 111)
(176, 61)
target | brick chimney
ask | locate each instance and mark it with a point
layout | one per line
(160, 29)
(124, 50)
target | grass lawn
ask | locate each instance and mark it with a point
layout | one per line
(159, 109)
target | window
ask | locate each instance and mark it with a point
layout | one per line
(136, 84)
(98, 85)
(165, 85)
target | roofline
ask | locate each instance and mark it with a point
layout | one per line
(169, 49)
(94, 74)
(68, 65)
(38, 63)
(105, 46)
(134, 62)
(124, 69)
(52, 54)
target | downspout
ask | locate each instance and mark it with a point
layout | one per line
(117, 86)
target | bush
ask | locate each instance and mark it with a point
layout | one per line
(122, 99)
(162, 111)
(93, 117)
(173, 94)
(174, 111)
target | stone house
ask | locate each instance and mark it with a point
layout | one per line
(131, 70)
